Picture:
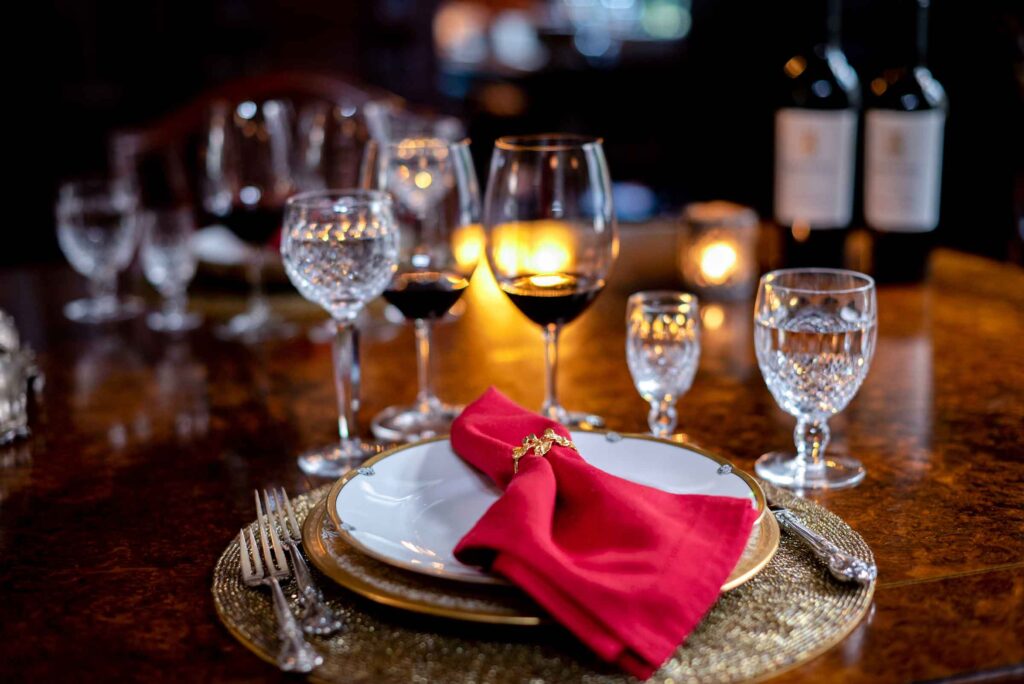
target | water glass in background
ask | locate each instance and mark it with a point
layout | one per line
(814, 333)
(663, 351)
(97, 230)
(340, 250)
(169, 264)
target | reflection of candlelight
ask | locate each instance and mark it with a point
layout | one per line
(537, 247)
(468, 245)
(718, 261)
(712, 316)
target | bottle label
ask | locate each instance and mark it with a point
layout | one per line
(814, 158)
(903, 169)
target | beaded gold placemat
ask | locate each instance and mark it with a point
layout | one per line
(789, 613)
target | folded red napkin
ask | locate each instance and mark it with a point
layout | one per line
(629, 569)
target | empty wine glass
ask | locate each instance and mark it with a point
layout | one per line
(332, 138)
(551, 237)
(662, 350)
(170, 264)
(97, 229)
(340, 250)
(814, 333)
(248, 177)
(436, 199)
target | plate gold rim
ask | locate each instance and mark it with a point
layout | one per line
(323, 560)
(332, 500)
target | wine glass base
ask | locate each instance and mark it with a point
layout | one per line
(254, 327)
(581, 420)
(410, 424)
(104, 310)
(332, 461)
(161, 322)
(783, 469)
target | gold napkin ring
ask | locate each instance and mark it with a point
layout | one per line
(539, 446)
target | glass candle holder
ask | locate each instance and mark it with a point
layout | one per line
(718, 250)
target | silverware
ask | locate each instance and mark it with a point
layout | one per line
(295, 654)
(316, 617)
(843, 566)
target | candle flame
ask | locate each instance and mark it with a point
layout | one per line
(718, 262)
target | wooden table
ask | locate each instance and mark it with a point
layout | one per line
(146, 452)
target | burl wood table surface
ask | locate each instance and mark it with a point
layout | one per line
(146, 451)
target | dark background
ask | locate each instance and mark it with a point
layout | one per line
(692, 120)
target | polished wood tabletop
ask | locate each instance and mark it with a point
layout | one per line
(146, 449)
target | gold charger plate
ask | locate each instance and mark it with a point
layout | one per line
(495, 604)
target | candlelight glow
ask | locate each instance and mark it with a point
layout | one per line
(468, 245)
(536, 247)
(712, 316)
(718, 261)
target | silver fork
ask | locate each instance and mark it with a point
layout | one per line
(295, 654)
(317, 617)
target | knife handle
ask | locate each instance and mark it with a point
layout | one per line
(843, 566)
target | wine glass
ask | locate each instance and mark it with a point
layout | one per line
(340, 250)
(437, 200)
(332, 140)
(248, 177)
(551, 237)
(97, 229)
(814, 333)
(662, 350)
(169, 264)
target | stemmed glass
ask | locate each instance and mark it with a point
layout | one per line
(97, 228)
(662, 350)
(248, 177)
(437, 199)
(814, 333)
(340, 250)
(169, 264)
(551, 237)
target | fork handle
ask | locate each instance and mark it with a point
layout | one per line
(295, 654)
(317, 617)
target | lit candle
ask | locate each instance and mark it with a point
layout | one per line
(718, 256)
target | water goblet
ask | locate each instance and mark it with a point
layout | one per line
(814, 333)
(97, 229)
(663, 351)
(169, 264)
(340, 250)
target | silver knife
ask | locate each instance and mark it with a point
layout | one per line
(843, 566)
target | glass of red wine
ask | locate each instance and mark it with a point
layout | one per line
(248, 177)
(551, 237)
(437, 205)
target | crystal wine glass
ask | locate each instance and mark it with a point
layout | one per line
(662, 350)
(169, 264)
(437, 199)
(340, 250)
(551, 237)
(814, 332)
(97, 228)
(248, 177)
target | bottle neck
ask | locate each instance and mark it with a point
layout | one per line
(905, 18)
(921, 56)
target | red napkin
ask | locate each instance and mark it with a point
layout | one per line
(629, 569)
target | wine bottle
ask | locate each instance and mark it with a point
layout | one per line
(904, 125)
(815, 145)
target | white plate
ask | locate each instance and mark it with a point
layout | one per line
(409, 507)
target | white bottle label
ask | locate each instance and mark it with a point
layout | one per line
(903, 169)
(814, 158)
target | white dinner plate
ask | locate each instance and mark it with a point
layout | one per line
(410, 506)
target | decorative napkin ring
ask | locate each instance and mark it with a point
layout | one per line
(539, 445)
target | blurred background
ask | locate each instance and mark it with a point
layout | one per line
(683, 91)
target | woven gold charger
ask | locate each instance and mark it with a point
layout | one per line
(789, 613)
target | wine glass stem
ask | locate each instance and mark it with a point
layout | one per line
(662, 417)
(176, 306)
(254, 271)
(551, 408)
(425, 399)
(811, 438)
(103, 288)
(344, 362)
